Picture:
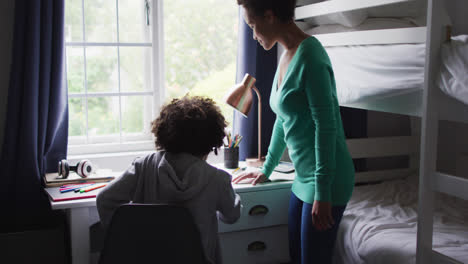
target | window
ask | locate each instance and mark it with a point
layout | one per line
(200, 48)
(114, 59)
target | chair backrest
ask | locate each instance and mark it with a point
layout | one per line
(150, 233)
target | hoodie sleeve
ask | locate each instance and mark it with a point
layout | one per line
(118, 192)
(229, 204)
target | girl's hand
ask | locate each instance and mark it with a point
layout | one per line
(253, 177)
(321, 215)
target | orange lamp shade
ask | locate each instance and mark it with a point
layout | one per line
(240, 96)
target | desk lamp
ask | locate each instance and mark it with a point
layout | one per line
(240, 98)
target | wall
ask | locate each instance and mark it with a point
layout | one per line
(457, 12)
(6, 39)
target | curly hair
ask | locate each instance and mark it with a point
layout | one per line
(283, 9)
(191, 124)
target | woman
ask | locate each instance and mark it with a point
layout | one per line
(186, 131)
(308, 121)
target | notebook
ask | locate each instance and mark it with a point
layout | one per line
(102, 175)
(56, 196)
(284, 167)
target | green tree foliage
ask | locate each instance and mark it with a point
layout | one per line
(200, 40)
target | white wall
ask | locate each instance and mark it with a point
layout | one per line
(6, 39)
(457, 12)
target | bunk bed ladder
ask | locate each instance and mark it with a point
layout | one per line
(429, 179)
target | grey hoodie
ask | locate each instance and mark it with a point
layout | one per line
(183, 179)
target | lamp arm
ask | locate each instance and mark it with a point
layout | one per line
(259, 122)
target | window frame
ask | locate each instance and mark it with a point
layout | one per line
(156, 79)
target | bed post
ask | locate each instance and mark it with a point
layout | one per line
(429, 133)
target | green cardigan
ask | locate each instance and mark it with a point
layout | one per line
(308, 122)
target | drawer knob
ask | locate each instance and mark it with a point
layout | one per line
(258, 210)
(256, 246)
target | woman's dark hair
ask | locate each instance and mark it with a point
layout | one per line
(283, 9)
(191, 124)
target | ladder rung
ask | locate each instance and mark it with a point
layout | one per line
(451, 185)
(383, 175)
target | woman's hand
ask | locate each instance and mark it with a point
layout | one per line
(254, 177)
(322, 218)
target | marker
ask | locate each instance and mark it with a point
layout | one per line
(68, 186)
(92, 188)
(69, 189)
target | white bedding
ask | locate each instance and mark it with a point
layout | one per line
(454, 70)
(379, 225)
(363, 72)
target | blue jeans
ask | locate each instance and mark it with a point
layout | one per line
(306, 244)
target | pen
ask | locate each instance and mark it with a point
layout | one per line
(92, 188)
(66, 186)
(238, 168)
(69, 189)
(238, 141)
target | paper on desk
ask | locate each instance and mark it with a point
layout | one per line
(275, 176)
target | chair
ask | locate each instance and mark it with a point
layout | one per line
(151, 233)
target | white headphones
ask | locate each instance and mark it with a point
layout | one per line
(84, 168)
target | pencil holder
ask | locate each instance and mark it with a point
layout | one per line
(231, 158)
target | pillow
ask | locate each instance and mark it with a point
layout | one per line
(369, 24)
(347, 19)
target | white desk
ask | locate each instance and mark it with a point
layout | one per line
(78, 217)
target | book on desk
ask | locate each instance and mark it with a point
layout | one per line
(53, 179)
(283, 172)
(57, 196)
(53, 184)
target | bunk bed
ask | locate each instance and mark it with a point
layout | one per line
(409, 86)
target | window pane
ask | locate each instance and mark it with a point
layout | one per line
(135, 69)
(103, 117)
(136, 116)
(75, 70)
(77, 115)
(101, 69)
(200, 56)
(73, 21)
(100, 20)
(132, 21)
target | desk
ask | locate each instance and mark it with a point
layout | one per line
(78, 218)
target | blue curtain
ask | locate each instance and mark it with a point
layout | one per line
(261, 64)
(36, 128)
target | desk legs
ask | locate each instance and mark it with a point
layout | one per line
(78, 219)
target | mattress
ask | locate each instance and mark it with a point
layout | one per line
(380, 224)
(363, 72)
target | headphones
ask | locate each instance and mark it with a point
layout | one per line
(84, 168)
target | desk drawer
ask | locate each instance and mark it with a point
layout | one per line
(263, 245)
(261, 209)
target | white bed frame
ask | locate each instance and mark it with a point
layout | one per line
(430, 104)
